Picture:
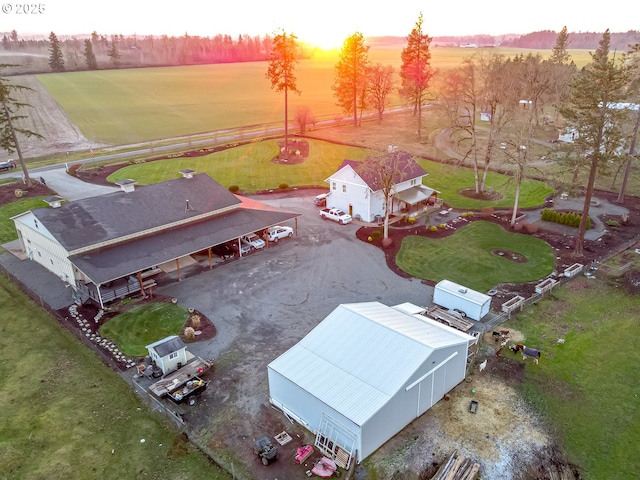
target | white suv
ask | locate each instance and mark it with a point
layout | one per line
(277, 232)
(253, 240)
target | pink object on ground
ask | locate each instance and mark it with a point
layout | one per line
(303, 453)
(324, 468)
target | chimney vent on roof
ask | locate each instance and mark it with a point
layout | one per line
(54, 202)
(187, 173)
(127, 185)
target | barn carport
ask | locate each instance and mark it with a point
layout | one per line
(364, 373)
(120, 270)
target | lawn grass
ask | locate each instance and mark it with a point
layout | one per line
(588, 387)
(465, 257)
(249, 166)
(20, 205)
(64, 414)
(132, 331)
(450, 179)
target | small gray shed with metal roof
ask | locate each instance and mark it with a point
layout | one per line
(364, 373)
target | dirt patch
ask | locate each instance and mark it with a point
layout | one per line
(294, 153)
(488, 195)
(38, 189)
(47, 118)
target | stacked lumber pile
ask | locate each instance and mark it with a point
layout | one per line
(457, 468)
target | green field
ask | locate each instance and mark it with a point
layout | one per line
(65, 415)
(136, 105)
(587, 389)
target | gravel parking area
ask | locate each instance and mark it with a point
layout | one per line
(263, 304)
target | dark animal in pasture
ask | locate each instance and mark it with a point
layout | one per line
(526, 352)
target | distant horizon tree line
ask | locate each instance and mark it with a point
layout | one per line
(98, 51)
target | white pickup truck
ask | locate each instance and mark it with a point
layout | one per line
(336, 215)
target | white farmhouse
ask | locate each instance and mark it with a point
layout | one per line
(364, 373)
(358, 191)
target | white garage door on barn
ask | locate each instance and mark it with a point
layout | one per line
(364, 373)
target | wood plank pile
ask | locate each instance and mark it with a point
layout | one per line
(457, 468)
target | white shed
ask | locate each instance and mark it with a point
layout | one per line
(364, 373)
(168, 354)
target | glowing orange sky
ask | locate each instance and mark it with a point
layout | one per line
(326, 22)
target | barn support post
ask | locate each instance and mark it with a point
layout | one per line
(178, 269)
(210, 258)
(140, 282)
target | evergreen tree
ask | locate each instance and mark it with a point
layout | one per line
(593, 112)
(351, 74)
(559, 55)
(56, 59)
(114, 53)
(89, 56)
(416, 72)
(9, 107)
(281, 73)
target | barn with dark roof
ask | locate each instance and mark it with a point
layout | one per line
(108, 247)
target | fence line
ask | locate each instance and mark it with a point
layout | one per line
(499, 318)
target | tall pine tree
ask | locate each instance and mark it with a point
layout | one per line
(351, 74)
(56, 59)
(281, 73)
(416, 72)
(593, 111)
(89, 56)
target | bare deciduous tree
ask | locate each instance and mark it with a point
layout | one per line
(379, 87)
(304, 118)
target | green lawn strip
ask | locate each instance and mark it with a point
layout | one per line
(249, 166)
(20, 205)
(63, 412)
(465, 257)
(132, 331)
(588, 387)
(450, 179)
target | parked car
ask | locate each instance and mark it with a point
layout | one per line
(276, 233)
(321, 200)
(336, 215)
(243, 250)
(253, 240)
(224, 251)
(7, 165)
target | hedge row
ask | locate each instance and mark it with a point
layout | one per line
(570, 219)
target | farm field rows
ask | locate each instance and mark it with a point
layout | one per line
(137, 105)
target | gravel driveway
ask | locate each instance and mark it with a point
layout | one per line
(263, 304)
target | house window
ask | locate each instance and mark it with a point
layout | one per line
(173, 355)
(333, 185)
(35, 222)
(344, 189)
